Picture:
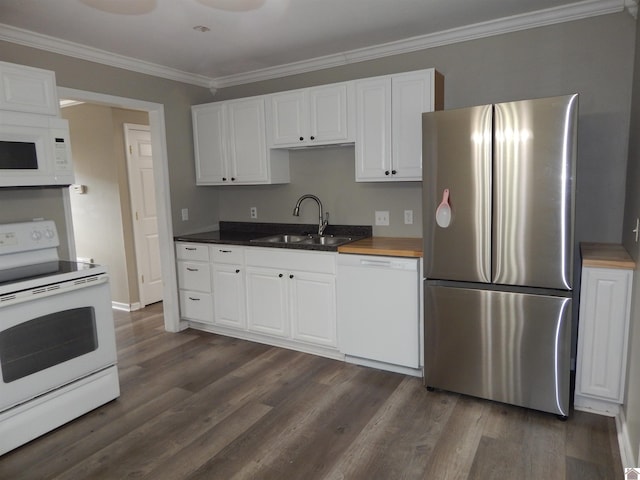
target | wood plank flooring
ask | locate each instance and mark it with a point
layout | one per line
(201, 406)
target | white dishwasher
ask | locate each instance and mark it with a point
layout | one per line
(378, 310)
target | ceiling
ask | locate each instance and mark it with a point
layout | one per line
(247, 40)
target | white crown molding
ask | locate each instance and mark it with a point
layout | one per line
(575, 11)
(63, 47)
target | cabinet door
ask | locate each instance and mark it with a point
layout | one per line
(27, 89)
(313, 307)
(228, 295)
(328, 114)
(247, 141)
(289, 118)
(209, 134)
(267, 308)
(603, 333)
(373, 130)
(411, 96)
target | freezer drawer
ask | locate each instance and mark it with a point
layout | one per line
(504, 346)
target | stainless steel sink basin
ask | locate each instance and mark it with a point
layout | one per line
(282, 238)
(326, 240)
(286, 238)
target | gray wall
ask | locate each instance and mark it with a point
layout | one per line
(632, 211)
(177, 99)
(593, 57)
(102, 220)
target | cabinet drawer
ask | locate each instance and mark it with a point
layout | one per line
(196, 306)
(227, 254)
(192, 251)
(194, 276)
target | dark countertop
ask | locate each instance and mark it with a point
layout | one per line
(246, 233)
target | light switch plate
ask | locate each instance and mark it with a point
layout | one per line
(408, 217)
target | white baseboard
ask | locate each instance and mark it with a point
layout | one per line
(126, 306)
(626, 451)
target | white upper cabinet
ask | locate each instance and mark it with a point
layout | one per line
(230, 144)
(389, 124)
(28, 89)
(322, 115)
(209, 136)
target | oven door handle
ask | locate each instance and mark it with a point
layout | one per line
(54, 289)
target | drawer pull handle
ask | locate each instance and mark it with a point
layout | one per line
(194, 299)
(225, 251)
(192, 269)
(190, 248)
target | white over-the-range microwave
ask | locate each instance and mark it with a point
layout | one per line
(34, 150)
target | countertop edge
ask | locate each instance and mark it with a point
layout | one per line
(606, 255)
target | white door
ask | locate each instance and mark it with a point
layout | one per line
(143, 208)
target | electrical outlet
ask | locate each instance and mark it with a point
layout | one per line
(382, 217)
(253, 212)
(408, 217)
(185, 214)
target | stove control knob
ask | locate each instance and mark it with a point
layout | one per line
(36, 235)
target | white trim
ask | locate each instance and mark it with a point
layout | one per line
(540, 18)
(125, 307)
(84, 52)
(550, 16)
(161, 177)
(624, 443)
(632, 7)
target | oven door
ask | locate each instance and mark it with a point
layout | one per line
(54, 335)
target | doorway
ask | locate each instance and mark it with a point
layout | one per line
(161, 184)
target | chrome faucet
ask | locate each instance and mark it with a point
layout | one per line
(322, 222)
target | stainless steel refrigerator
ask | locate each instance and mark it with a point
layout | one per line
(498, 207)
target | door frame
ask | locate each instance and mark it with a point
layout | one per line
(161, 180)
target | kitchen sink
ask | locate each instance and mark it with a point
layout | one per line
(282, 238)
(323, 240)
(328, 240)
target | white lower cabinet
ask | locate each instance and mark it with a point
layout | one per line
(292, 294)
(194, 282)
(228, 295)
(603, 333)
(267, 309)
(313, 306)
(276, 296)
(228, 277)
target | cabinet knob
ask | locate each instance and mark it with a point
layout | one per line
(224, 179)
(393, 172)
(312, 137)
(233, 179)
(386, 172)
(291, 276)
(280, 275)
(301, 139)
(237, 270)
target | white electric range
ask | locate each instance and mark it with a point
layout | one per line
(57, 338)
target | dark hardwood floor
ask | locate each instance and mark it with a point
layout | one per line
(202, 406)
